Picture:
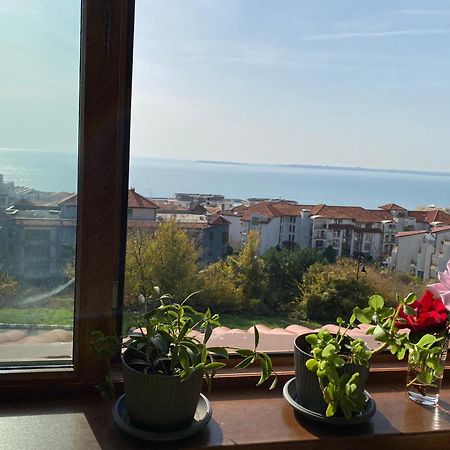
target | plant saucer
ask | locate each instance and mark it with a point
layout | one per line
(290, 394)
(201, 418)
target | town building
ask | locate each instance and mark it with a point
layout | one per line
(278, 223)
(191, 200)
(423, 253)
(350, 230)
(7, 193)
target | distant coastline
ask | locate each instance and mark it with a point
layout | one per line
(326, 167)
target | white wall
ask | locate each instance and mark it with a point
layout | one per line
(143, 214)
(407, 250)
(234, 230)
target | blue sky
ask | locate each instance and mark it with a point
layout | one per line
(39, 74)
(343, 82)
(339, 82)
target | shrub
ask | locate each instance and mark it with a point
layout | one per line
(9, 289)
(284, 270)
(330, 291)
(220, 292)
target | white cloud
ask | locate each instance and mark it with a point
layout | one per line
(374, 34)
(425, 12)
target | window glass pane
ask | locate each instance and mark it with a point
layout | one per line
(305, 134)
(39, 90)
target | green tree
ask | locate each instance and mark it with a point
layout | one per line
(249, 270)
(220, 291)
(331, 291)
(167, 259)
(138, 271)
(285, 269)
(330, 254)
(9, 289)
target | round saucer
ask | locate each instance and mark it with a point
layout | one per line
(290, 394)
(201, 418)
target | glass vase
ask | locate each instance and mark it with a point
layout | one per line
(421, 390)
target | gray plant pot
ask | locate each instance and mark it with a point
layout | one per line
(309, 394)
(160, 402)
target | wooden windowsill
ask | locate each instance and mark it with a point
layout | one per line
(248, 419)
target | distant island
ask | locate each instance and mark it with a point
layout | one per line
(326, 167)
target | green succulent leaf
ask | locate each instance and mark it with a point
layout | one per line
(376, 302)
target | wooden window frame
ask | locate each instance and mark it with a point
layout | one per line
(103, 157)
(107, 28)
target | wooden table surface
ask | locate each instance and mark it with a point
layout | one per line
(248, 419)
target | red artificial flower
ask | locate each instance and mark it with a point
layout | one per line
(431, 315)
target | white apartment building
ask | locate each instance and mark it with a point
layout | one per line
(349, 230)
(422, 253)
(278, 224)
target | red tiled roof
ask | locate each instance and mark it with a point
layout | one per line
(270, 209)
(23, 202)
(440, 229)
(355, 213)
(290, 208)
(171, 206)
(392, 206)
(217, 220)
(136, 200)
(383, 214)
(431, 216)
(213, 209)
(409, 233)
(198, 209)
(46, 222)
(70, 201)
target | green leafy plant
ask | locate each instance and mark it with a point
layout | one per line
(172, 339)
(425, 355)
(330, 353)
(427, 321)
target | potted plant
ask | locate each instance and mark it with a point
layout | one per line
(167, 357)
(332, 369)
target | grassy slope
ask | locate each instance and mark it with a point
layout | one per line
(46, 316)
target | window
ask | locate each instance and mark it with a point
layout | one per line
(40, 44)
(102, 180)
(35, 235)
(105, 93)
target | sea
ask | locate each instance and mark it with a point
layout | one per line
(57, 171)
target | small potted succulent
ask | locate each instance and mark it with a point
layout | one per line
(167, 357)
(332, 369)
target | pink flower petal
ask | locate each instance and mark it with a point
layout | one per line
(444, 278)
(445, 296)
(438, 288)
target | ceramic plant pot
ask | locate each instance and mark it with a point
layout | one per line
(160, 402)
(309, 394)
